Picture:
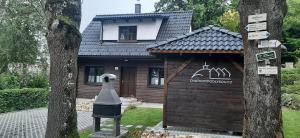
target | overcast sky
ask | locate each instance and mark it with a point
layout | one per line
(90, 8)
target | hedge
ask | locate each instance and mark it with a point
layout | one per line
(20, 99)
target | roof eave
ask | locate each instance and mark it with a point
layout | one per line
(130, 17)
(196, 51)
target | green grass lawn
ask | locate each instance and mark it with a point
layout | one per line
(291, 123)
(86, 133)
(142, 116)
(152, 116)
(138, 116)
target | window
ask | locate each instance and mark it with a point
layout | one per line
(127, 33)
(156, 77)
(93, 74)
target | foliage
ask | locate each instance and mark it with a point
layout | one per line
(289, 57)
(291, 123)
(292, 19)
(289, 76)
(86, 133)
(9, 81)
(290, 81)
(142, 116)
(37, 81)
(21, 24)
(295, 88)
(29, 80)
(291, 29)
(290, 101)
(206, 12)
(20, 99)
(231, 20)
(170, 5)
(234, 5)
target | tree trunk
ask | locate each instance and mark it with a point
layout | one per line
(262, 94)
(63, 39)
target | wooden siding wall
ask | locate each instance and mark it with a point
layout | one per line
(204, 105)
(143, 91)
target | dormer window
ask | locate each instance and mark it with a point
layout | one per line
(127, 33)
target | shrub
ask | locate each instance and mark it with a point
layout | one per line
(295, 88)
(15, 81)
(289, 76)
(9, 81)
(290, 101)
(38, 81)
(19, 99)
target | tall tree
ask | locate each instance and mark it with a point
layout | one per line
(206, 12)
(20, 19)
(262, 94)
(291, 32)
(63, 39)
(230, 20)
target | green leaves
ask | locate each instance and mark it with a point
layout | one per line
(21, 25)
(20, 99)
(291, 28)
(206, 12)
(231, 20)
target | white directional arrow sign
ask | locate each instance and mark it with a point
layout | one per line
(257, 18)
(258, 35)
(256, 27)
(267, 70)
(269, 44)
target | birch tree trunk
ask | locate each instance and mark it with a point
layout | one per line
(262, 94)
(63, 39)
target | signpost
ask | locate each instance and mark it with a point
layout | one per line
(265, 56)
(267, 70)
(257, 18)
(269, 44)
(256, 27)
(258, 35)
(256, 31)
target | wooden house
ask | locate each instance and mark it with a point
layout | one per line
(203, 73)
(118, 43)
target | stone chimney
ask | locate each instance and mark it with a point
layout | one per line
(138, 7)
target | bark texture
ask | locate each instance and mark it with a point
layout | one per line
(63, 39)
(262, 95)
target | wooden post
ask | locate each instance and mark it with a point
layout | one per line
(116, 129)
(165, 93)
(97, 123)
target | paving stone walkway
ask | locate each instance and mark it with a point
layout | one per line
(32, 123)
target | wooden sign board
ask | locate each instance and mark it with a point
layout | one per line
(269, 44)
(258, 35)
(265, 56)
(257, 18)
(267, 70)
(256, 27)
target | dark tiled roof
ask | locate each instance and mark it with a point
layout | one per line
(206, 38)
(129, 16)
(177, 23)
(113, 49)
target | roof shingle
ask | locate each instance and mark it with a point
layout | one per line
(174, 24)
(206, 38)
